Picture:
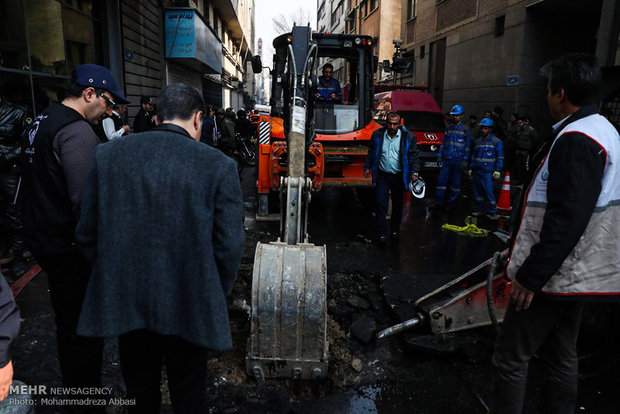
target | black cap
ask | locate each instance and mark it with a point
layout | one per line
(146, 100)
(100, 78)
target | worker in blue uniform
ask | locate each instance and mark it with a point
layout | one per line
(486, 163)
(453, 155)
(328, 88)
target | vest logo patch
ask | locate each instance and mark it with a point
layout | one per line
(33, 132)
(545, 176)
(430, 137)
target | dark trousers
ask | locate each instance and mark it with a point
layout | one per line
(522, 159)
(80, 357)
(548, 329)
(387, 182)
(9, 183)
(142, 353)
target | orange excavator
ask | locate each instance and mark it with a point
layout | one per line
(337, 132)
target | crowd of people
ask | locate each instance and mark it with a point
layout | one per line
(141, 237)
(94, 208)
(484, 150)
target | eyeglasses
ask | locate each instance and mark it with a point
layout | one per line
(109, 102)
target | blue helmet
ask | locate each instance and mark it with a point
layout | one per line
(486, 122)
(457, 110)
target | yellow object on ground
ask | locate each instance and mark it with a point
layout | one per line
(470, 228)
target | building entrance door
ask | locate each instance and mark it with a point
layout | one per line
(436, 69)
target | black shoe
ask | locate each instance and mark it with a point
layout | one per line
(394, 235)
(382, 239)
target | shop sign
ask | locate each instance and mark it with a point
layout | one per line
(188, 37)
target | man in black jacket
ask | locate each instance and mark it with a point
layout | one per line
(161, 270)
(9, 327)
(145, 118)
(567, 244)
(57, 150)
(13, 119)
(243, 125)
(499, 123)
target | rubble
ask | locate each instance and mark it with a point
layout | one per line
(364, 328)
(357, 365)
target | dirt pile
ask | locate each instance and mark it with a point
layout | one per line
(349, 297)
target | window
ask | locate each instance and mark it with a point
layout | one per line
(411, 9)
(422, 50)
(341, 117)
(41, 41)
(372, 5)
(321, 11)
(205, 12)
(351, 19)
(499, 26)
(424, 121)
(336, 13)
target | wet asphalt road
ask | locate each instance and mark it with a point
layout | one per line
(426, 257)
(396, 378)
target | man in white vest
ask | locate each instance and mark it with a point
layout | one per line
(567, 243)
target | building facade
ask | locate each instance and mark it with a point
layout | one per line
(330, 18)
(380, 19)
(483, 53)
(145, 43)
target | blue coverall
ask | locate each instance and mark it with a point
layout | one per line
(487, 157)
(454, 149)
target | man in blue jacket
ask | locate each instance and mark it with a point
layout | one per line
(487, 160)
(393, 161)
(453, 155)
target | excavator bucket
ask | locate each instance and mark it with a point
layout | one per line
(289, 312)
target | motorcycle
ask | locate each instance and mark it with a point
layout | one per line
(246, 149)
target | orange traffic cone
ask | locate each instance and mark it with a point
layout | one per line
(503, 202)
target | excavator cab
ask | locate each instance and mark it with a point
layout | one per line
(337, 133)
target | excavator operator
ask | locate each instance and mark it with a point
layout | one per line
(328, 88)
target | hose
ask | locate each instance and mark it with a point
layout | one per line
(293, 66)
(492, 269)
(315, 49)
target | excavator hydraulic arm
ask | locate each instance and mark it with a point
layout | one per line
(289, 311)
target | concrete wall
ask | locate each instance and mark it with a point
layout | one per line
(478, 62)
(142, 29)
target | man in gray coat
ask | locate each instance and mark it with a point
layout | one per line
(162, 219)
